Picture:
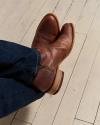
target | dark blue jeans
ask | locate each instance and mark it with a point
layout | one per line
(18, 68)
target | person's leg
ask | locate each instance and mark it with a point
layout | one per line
(18, 62)
(14, 95)
(18, 67)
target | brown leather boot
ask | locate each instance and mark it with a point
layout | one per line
(47, 31)
(53, 51)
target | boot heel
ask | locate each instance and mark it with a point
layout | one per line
(57, 83)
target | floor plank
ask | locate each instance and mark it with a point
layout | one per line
(18, 24)
(89, 104)
(74, 12)
(71, 99)
(78, 122)
(29, 112)
(7, 120)
(17, 122)
(96, 23)
(87, 16)
(62, 9)
(97, 118)
(90, 100)
(48, 7)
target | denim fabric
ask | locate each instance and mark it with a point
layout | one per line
(18, 67)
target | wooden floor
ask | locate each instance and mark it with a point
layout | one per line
(78, 102)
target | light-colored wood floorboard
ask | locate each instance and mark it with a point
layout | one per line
(87, 16)
(78, 81)
(79, 122)
(90, 100)
(97, 118)
(19, 122)
(7, 120)
(89, 103)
